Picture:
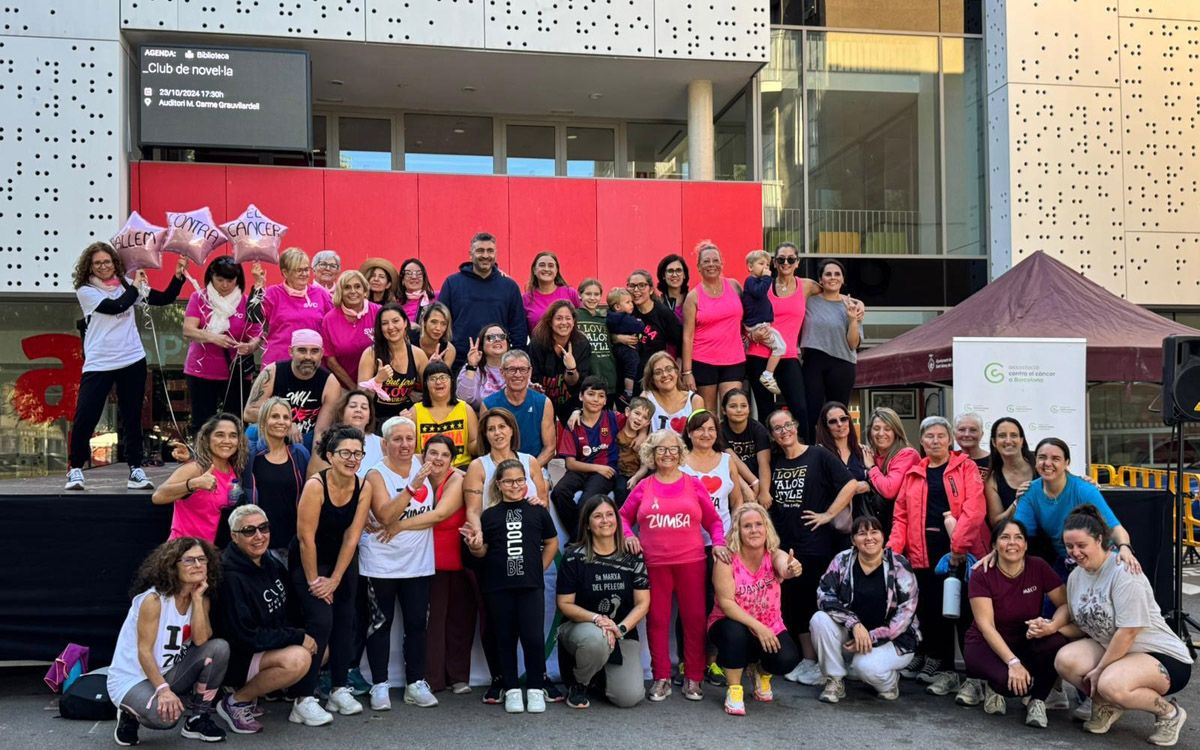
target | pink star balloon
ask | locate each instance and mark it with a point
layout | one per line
(139, 243)
(193, 234)
(255, 237)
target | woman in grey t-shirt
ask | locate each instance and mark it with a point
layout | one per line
(1127, 658)
(829, 338)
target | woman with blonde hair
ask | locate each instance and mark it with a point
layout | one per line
(200, 489)
(888, 457)
(291, 305)
(349, 327)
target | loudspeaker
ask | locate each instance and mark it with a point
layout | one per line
(1181, 379)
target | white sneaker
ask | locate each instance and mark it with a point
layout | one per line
(308, 712)
(380, 700)
(810, 673)
(768, 381)
(418, 694)
(1057, 700)
(535, 701)
(514, 703)
(138, 480)
(75, 480)
(343, 702)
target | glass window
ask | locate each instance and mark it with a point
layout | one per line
(448, 144)
(872, 143)
(962, 65)
(591, 152)
(364, 143)
(319, 142)
(731, 150)
(657, 150)
(783, 142)
(530, 150)
(896, 15)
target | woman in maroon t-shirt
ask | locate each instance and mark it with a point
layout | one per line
(999, 647)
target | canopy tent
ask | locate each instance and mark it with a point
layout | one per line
(1039, 297)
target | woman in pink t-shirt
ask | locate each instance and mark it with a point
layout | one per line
(415, 292)
(290, 306)
(747, 618)
(348, 328)
(200, 489)
(546, 286)
(221, 337)
(669, 509)
(713, 356)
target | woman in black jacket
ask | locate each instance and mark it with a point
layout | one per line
(265, 652)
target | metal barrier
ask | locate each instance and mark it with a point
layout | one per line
(1160, 479)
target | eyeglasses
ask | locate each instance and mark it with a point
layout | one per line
(786, 427)
(637, 285)
(517, 370)
(438, 378)
(666, 450)
(492, 338)
(263, 528)
(674, 270)
(327, 266)
(659, 372)
(413, 273)
(349, 455)
(512, 483)
(786, 260)
(193, 562)
(837, 420)
(102, 263)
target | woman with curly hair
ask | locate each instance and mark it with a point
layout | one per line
(561, 357)
(112, 355)
(166, 662)
(201, 488)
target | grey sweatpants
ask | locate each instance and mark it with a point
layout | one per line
(195, 679)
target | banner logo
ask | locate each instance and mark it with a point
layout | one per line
(993, 372)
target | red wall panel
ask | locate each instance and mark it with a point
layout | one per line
(555, 214)
(294, 197)
(451, 209)
(637, 222)
(729, 214)
(168, 186)
(369, 214)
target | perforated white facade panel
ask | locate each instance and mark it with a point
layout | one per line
(712, 29)
(1094, 140)
(445, 23)
(321, 19)
(61, 159)
(618, 27)
(84, 19)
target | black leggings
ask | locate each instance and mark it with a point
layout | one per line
(93, 393)
(798, 596)
(826, 378)
(330, 625)
(519, 614)
(211, 396)
(791, 383)
(938, 633)
(413, 595)
(738, 648)
(563, 497)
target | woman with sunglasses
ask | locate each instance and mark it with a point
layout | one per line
(673, 278)
(200, 489)
(836, 434)
(809, 488)
(221, 337)
(663, 330)
(323, 560)
(266, 653)
(481, 377)
(788, 297)
(166, 662)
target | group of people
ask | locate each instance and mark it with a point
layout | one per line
(771, 547)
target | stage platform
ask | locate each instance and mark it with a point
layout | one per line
(105, 480)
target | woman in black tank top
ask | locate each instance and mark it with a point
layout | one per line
(1011, 468)
(329, 521)
(391, 368)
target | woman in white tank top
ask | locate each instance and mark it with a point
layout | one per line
(709, 461)
(499, 439)
(661, 387)
(187, 661)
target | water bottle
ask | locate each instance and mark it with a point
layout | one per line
(952, 597)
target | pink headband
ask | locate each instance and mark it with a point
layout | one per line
(306, 337)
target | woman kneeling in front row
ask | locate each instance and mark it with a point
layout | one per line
(868, 606)
(747, 620)
(1129, 658)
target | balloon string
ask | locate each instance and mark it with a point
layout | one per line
(195, 284)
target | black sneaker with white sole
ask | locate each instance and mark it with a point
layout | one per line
(126, 732)
(553, 694)
(494, 693)
(138, 480)
(203, 728)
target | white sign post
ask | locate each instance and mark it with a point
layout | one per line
(1042, 383)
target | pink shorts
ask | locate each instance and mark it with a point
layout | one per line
(255, 665)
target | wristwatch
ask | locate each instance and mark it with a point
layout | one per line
(621, 627)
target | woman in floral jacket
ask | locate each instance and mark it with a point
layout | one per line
(867, 615)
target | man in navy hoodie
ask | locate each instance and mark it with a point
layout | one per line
(479, 295)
